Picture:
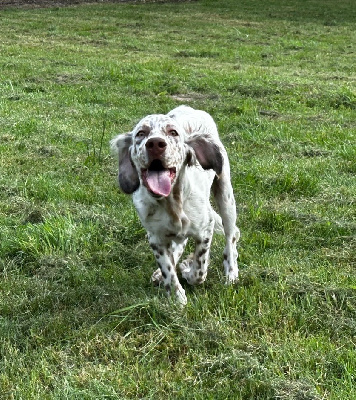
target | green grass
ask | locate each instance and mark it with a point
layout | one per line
(79, 318)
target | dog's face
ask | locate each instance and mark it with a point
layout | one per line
(157, 150)
(152, 155)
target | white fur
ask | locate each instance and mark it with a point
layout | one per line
(192, 148)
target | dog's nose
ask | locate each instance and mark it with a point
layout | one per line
(156, 146)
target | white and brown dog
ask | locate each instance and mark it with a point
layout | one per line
(170, 163)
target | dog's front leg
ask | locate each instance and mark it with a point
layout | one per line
(168, 275)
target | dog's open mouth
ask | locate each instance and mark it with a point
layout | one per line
(158, 179)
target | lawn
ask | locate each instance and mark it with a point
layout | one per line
(79, 318)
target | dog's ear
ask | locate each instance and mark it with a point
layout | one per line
(190, 158)
(128, 177)
(207, 152)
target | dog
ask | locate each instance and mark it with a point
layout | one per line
(171, 164)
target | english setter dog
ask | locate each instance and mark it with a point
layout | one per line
(170, 163)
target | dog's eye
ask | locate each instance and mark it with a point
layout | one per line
(172, 132)
(141, 134)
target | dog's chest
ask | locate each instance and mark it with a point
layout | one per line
(162, 217)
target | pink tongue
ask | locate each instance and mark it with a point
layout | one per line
(159, 182)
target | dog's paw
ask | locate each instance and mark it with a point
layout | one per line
(157, 277)
(185, 266)
(232, 276)
(190, 272)
(181, 297)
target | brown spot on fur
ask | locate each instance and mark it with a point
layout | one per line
(151, 212)
(154, 247)
(199, 264)
(175, 205)
(201, 252)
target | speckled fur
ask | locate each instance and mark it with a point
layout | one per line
(201, 164)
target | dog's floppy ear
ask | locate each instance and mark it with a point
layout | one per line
(190, 158)
(207, 152)
(128, 177)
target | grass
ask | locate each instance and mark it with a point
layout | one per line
(79, 318)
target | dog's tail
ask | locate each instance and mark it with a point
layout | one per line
(218, 226)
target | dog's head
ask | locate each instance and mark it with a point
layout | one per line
(157, 150)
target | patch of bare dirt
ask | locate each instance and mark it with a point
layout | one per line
(51, 3)
(64, 3)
